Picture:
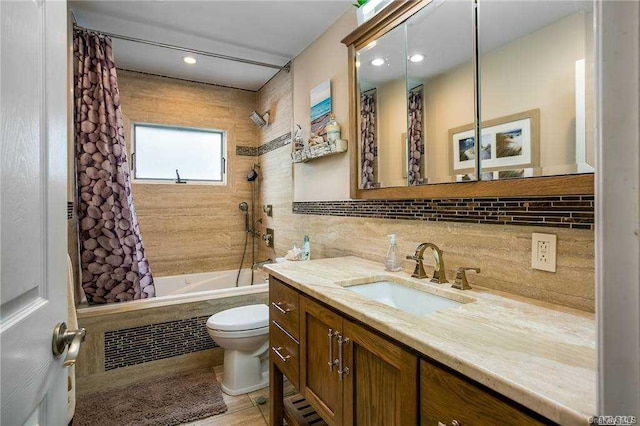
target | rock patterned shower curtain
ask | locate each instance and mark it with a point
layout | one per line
(415, 172)
(369, 138)
(114, 266)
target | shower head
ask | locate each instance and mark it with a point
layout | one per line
(253, 175)
(260, 120)
(243, 206)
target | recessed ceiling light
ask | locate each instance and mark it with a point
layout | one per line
(377, 62)
(189, 60)
(416, 58)
(371, 45)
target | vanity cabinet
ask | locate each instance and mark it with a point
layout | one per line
(353, 376)
(448, 399)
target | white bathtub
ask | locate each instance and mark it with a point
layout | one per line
(206, 281)
(188, 288)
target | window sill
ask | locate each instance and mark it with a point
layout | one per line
(169, 182)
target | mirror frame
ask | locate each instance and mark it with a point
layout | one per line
(396, 13)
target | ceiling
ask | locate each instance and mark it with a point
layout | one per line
(273, 32)
(443, 33)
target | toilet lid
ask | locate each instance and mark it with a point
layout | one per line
(241, 318)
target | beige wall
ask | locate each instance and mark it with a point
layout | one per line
(275, 96)
(192, 228)
(503, 252)
(325, 59)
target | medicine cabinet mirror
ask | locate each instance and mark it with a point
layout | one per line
(431, 78)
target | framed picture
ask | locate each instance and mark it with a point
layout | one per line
(506, 143)
(320, 108)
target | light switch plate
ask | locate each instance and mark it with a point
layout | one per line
(543, 252)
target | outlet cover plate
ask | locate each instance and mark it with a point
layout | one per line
(543, 252)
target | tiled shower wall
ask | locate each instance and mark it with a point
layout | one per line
(503, 251)
(192, 228)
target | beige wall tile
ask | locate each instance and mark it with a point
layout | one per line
(190, 229)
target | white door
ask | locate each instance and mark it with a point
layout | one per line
(33, 49)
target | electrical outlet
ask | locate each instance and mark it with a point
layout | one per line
(543, 252)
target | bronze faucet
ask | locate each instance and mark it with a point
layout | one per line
(461, 282)
(439, 275)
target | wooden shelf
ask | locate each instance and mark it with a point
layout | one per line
(298, 412)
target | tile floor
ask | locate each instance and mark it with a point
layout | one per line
(242, 410)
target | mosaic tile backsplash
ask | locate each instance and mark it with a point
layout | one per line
(561, 212)
(252, 151)
(137, 345)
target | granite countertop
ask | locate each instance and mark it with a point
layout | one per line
(540, 355)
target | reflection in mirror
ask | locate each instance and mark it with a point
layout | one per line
(381, 73)
(537, 88)
(440, 85)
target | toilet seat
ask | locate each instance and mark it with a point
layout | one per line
(238, 334)
(244, 321)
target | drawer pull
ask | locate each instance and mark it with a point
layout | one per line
(278, 306)
(332, 362)
(342, 370)
(279, 354)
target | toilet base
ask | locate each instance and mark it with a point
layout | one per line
(235, 392)
(245, 372)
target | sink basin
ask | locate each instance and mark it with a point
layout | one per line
(406, 299)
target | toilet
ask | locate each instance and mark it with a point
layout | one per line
(243, 333)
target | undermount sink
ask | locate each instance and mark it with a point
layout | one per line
(405, 298)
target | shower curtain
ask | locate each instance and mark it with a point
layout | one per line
(113, 262)
(368, 136)
(415, 172)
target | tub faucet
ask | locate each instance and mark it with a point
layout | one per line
(259, 265)
(439, 275)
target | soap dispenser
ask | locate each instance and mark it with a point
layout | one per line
(391, 262)
(306, 249)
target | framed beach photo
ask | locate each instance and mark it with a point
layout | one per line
(320, 108)
(506, 143)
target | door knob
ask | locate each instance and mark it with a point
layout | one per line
(63, 338)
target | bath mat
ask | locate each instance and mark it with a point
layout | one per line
(165, 401)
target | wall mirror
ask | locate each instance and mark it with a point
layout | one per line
(537, 88)
(381, 69)
(430, 78)
(440, 87)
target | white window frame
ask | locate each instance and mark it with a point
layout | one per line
(223, 154)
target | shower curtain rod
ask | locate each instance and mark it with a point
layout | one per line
(286, 67)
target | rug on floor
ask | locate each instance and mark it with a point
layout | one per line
(165, 401)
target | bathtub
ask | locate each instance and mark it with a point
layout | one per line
(206, 281)
(160, 335)
(187, 288)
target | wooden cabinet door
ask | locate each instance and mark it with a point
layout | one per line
(448, 399)
(319, 381)
(381, 385)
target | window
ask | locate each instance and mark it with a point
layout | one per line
(196, 154)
